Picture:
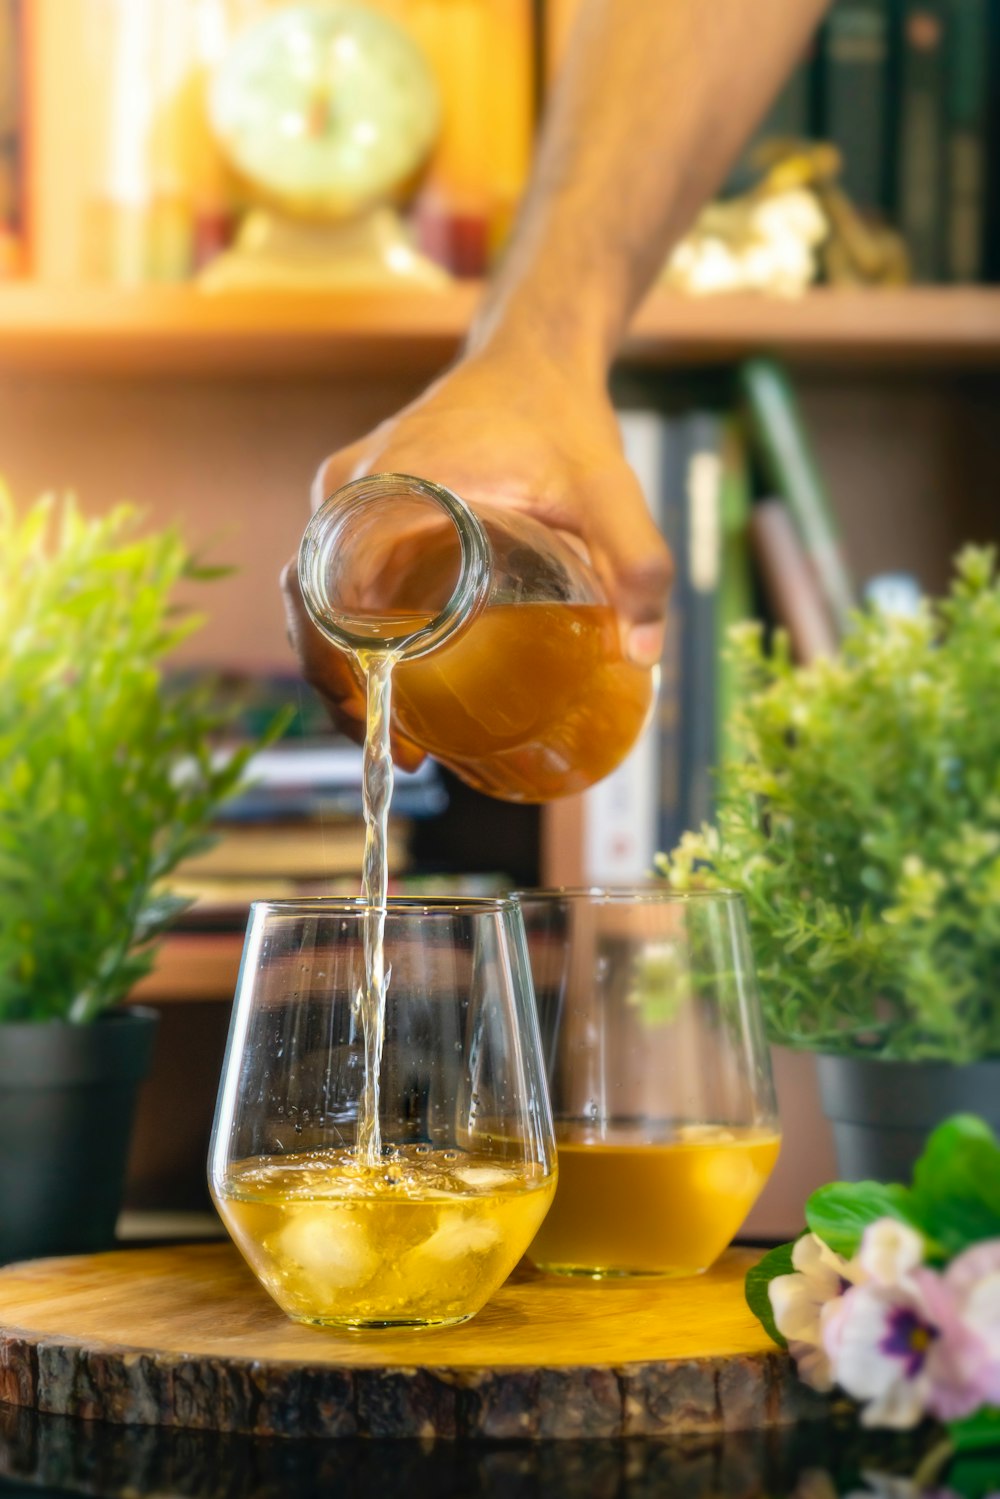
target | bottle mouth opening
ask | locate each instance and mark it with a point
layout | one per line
(393, 563)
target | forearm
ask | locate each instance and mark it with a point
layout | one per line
(655, 100)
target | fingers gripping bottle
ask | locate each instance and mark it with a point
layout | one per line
(507, 660)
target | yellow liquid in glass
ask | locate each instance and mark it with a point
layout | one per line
(424, 1238)
(665, 1209)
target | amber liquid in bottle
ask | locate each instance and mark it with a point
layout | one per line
(529, 702)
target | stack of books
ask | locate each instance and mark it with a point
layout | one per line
(296, 828)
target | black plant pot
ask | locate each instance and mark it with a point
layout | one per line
(67, 1100)
(882, 1112)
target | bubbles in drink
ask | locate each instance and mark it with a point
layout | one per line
(427, 1240)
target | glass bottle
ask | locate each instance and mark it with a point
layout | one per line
(509, 665)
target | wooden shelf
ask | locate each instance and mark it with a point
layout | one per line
(193, 966)
(180, 330)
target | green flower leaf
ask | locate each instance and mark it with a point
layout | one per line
(776, 1262)
(976, 1432)
(974, 1471)
(839, 1213)
(956, 1183)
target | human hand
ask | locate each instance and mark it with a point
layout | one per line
(532, 435)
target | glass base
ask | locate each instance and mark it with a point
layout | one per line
(619, 1272)
(384, 1324)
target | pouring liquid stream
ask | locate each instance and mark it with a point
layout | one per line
(377, 795)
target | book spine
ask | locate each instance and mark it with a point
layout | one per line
(789, 583)
(968, 100)
(672, 815)
(483, 56)
(557, 19)
(620, 812)
(792, 472)
(855, 112)
(735, 601)
(13, 208)
(921, 173)
(792, 116)
(991, 206)
(701, 564)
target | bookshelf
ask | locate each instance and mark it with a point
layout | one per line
(181, 330)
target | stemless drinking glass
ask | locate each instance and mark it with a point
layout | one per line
(659, 1077)
(419, 1224)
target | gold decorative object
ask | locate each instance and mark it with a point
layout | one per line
(796, 226)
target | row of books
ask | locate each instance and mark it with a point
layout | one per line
(296, 827)
(125, 183)
(739, 498)
(909, 90)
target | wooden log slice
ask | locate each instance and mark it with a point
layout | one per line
(185, 1336)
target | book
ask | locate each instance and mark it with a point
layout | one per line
(308, 779)
(968, 153)
(700, 570)
(789, 583)
(792, 116)
(855, 111)
(483, 56)
(13, 141)
(281, 861)
(558, 18)
(311, 770)
(692, 468)
(786, 458)
(991, 206)
(920, 186)
(621, 812)
(735, 595)
(294, 851)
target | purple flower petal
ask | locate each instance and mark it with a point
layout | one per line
(907, 1337)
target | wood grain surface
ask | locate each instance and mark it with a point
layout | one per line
(184, 1336)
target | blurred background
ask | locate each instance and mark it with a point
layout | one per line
(194, 311)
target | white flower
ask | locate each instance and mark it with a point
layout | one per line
(878, 1340)
(800, 1301)
(910, 1341)
(889, 1252)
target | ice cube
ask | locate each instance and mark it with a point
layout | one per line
(334, 1252)
(455, 1238)
(479, 1177)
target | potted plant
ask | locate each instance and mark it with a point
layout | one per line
(107, 779)
(860, 818)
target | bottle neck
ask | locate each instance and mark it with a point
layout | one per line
(392, 562)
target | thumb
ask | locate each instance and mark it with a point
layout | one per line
(337, 470)
(634, 561)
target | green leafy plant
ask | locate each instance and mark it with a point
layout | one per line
(860, 819)
(107, 778)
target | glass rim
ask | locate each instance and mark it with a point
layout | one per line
(624, 894)
(395, 905)
(471, 586)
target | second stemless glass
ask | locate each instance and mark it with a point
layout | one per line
(659, 1077)
(423, 1232)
